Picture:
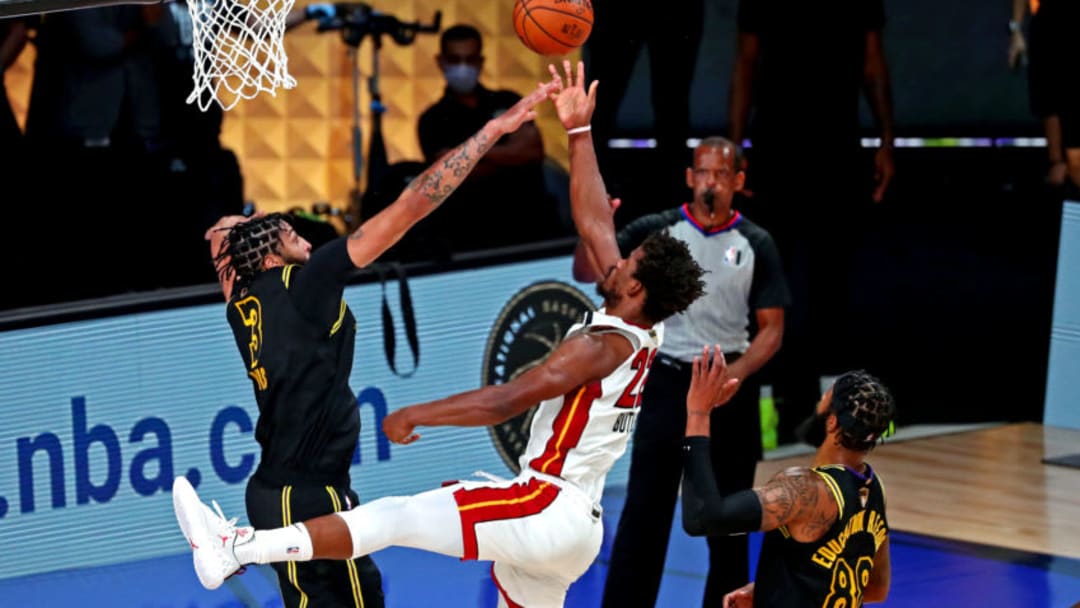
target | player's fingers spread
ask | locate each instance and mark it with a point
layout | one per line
(581, 72)
(555, 76)
(569, 72)
(592, 90)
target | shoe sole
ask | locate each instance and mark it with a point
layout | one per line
(188, 509)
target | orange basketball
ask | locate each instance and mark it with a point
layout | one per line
(553, 27)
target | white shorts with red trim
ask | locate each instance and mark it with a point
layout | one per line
(541, 532)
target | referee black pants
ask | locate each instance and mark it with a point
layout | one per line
(641, 538)
(317, 583)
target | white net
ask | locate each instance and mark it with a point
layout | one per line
(239, 50)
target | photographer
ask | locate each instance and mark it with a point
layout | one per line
(509, 181)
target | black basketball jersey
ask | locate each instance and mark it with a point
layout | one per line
(296, 337)
(834, 570)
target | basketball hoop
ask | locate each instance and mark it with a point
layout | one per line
(239, 50)
(238, 44)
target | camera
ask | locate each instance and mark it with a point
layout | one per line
(357, 20)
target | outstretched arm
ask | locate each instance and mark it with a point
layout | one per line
(705, 510)
(797, 498)
(586, 269)
(431, 187)
(588, 196)
(575, 363)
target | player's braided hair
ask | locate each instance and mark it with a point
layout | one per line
(244, 248)
(670, 275)
(864, 409)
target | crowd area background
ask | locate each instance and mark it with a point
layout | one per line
(956, 266)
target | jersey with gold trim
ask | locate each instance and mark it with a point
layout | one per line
(832, 571)
(579, 436)
(296, 337)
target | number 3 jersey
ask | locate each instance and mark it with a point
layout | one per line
(579, 436)
(833, 571)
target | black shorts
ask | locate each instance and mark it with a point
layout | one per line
(339, 583)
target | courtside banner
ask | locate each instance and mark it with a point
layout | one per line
(100, 415)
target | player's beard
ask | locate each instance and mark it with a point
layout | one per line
(610, 297)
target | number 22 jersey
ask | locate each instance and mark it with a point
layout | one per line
(579, 436)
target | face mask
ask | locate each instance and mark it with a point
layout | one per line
(462, 77)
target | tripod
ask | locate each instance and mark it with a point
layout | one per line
(357, 21)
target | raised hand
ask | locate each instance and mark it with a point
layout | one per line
(524, 110)
(573, 103)
(710, 384)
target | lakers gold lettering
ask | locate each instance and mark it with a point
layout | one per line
(250, 310)
(863, 568)
(824, 558)
(857, 520)
(876, 526)
(259, 376)
(863, 521)
(842, 587)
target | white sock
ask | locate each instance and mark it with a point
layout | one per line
(291, 544)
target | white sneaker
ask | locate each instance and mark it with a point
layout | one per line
(211, 536)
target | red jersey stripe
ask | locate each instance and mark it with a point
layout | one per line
(490, 504)
(569, 426)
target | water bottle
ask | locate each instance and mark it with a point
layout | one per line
(770, 418)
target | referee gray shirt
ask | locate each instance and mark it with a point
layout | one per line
(743, 274)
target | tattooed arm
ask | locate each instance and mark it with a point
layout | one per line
(799, 499)
(431, 187)
(796, 498)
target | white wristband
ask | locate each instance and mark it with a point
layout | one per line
(577, 130)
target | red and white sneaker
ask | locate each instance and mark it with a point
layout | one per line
(212, 538)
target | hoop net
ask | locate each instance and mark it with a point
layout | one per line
(239, 50)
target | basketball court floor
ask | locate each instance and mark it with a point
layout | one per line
(978, 519)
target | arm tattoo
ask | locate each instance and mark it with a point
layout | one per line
(443, 177)
(793, 496)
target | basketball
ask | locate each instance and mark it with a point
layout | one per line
(553, 27)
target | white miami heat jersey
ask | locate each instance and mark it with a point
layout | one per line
(581, 434)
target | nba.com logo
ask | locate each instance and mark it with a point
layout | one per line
(528, 328)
